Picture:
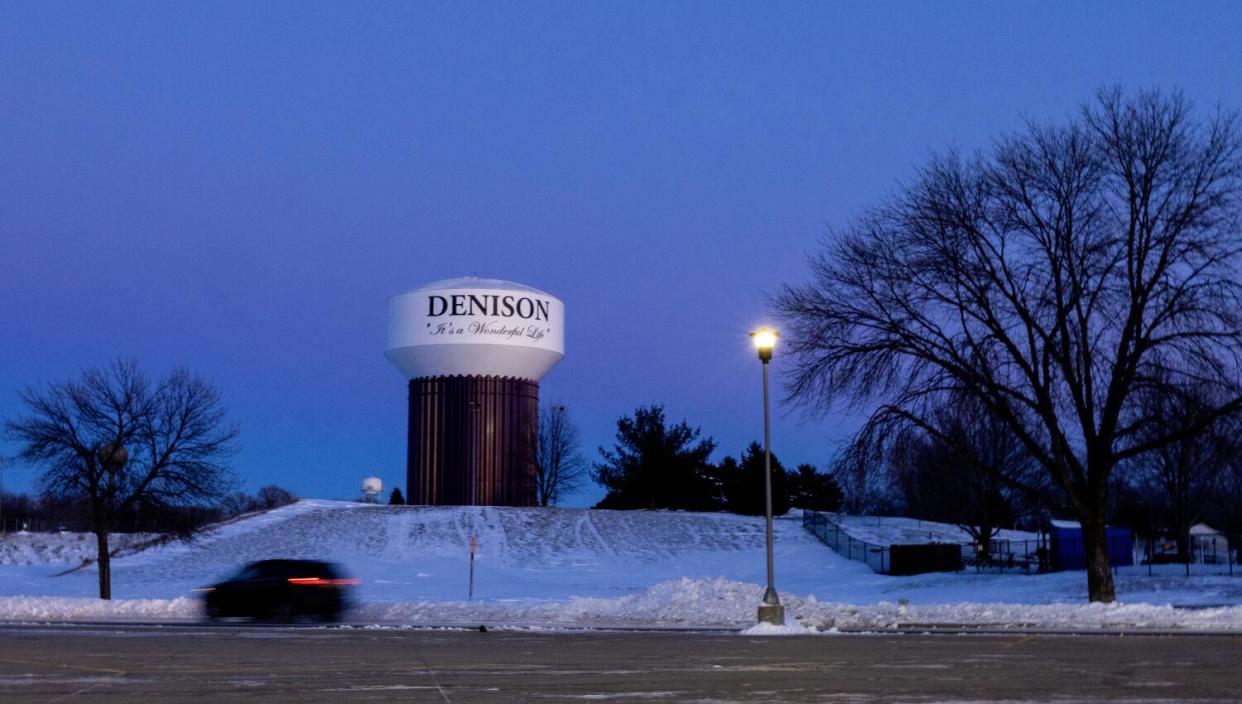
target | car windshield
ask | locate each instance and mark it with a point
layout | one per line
(246, 573)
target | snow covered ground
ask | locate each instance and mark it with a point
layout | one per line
(896, 530)
(573, 567)
(24, 548)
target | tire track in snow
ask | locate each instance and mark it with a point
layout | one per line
(584, 521)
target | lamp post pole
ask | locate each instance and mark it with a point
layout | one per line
(770, 611)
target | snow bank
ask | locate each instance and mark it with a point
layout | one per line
(40, 609)
(723, 603)
(685, 603)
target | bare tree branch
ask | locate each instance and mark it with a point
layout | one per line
(115, 440)
(555, 448)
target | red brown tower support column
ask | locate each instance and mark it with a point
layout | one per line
(469, 441)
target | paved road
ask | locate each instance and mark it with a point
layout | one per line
(175, 664)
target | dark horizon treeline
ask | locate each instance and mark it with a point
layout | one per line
(971, 472)
(21, 511)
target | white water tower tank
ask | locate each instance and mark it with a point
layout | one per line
(473, 351)
(475, 327)
(372, 487)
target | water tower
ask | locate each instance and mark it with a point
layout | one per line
(473, 351)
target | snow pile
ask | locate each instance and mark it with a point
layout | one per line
(716, 603)
(789, 629)
(32, 608)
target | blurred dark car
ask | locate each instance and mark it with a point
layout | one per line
(282, 590)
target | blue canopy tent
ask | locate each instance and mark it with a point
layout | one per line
(1069, 550)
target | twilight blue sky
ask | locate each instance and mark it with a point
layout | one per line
(237, 187)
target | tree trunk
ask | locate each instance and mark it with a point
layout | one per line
(104, 562)
(1099, 577)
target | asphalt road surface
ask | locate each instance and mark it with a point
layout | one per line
(238, 664)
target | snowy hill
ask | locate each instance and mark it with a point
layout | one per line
(63, 548)
(422, 552)
(576, 567)
(407, 552)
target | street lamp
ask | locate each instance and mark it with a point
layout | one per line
(770, 611)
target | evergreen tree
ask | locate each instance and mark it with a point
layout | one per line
(747, 493)
(395, 498)
(724, 479)
(653, 465)
(814, 490)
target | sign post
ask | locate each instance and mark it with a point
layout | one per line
(474, 546)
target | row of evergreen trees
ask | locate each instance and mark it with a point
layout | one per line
(653, 464)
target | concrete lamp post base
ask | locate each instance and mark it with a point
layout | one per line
(772, 613)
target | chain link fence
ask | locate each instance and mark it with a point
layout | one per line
(1002, 554)
(830, 533)
(1217, 555)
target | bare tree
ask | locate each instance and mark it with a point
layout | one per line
(116, 441)
(239, 502)
(556, 451)
(861, 469)
(1184, 479)
(969, 470)
(1050, 279)
(272, 496)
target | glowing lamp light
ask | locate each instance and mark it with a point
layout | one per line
(765, 339)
